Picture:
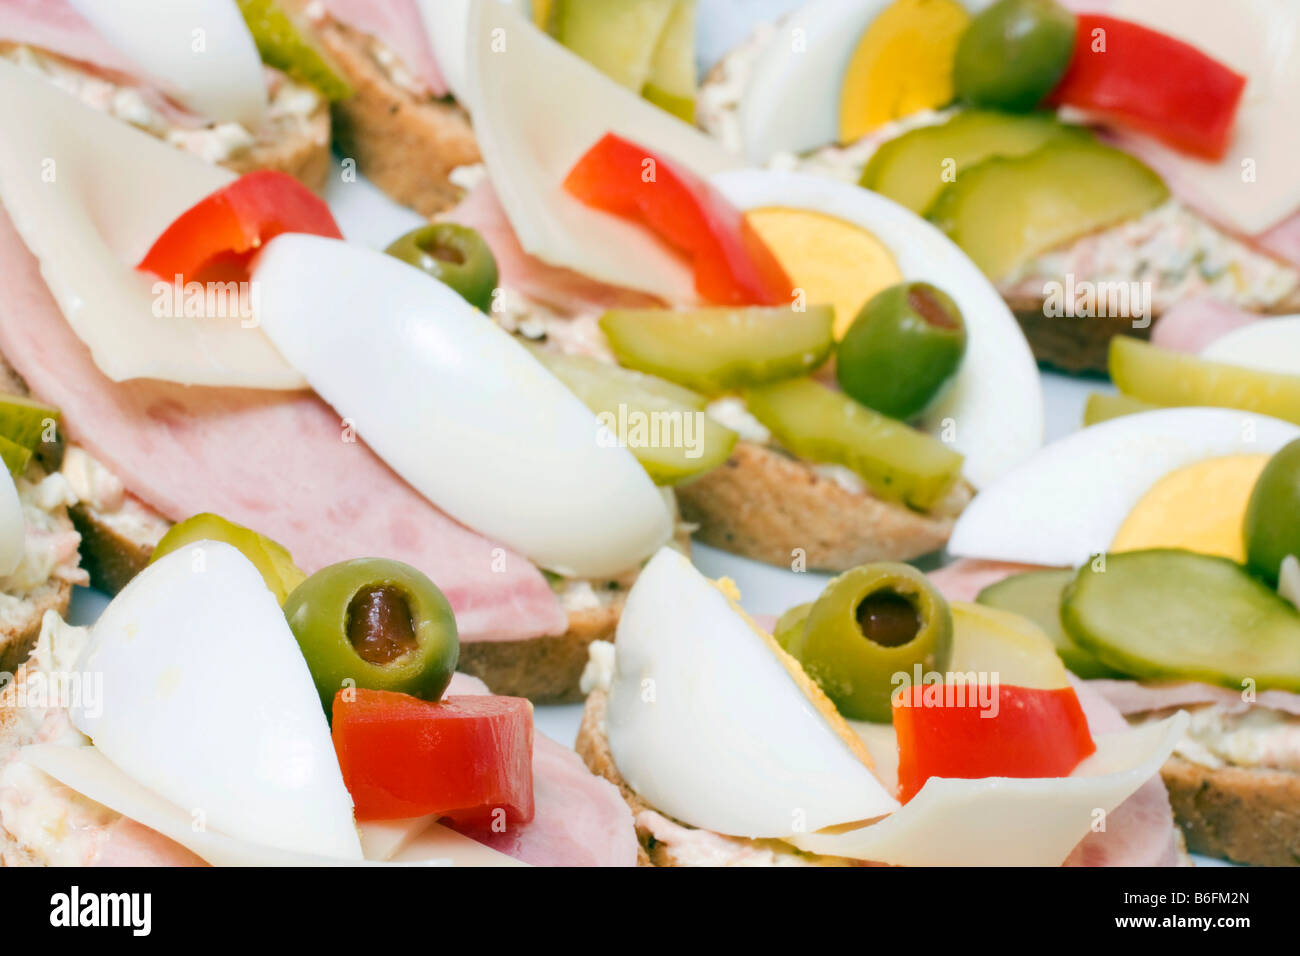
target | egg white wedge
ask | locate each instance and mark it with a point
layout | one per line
(89, 194)
(537, 108)
(1269, 345)
(13, 530)
(993, 411)
(708, 722)
(791, 101)
(1009, 821)
(200, 51)
(457, 407)
(1067, 503)
(207, 702)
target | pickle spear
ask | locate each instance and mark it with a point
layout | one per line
(1167, 613)
(1007, 210)
(897, 462)
(721, 349)
(1149, 373)
(676, 439)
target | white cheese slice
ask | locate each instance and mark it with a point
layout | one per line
(1066, 504)
(1007, 821)
(1254, 186)
(200, 50)
(502, 445)
(88, 772)
(537, 108)
(208, 702)
(89, 194)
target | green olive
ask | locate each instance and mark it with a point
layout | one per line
(869, 626)
(1272, 524)
(269, 557)
(455, 255)
(789, 626)
(902, 349)
(1013, 53)
(379, 623)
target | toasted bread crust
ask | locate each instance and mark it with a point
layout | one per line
(17, 640)
(1243, 815)
(764, 505)
(302, 151)
(407, 145)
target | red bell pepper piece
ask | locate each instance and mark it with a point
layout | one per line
(462, 757)
(732, 264)
(216, 237)
(1034, 733)
(1151, 82)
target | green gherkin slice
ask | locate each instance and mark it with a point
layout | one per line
(23, 421)
(715, 350)
(14, 456)
(676, 439)
(1007, 210)
(1168, 613)
(897, 462)
(283, 45)
(1037, 596)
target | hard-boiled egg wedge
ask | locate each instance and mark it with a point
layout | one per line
(13, 534)
(95, 215)
(207, 702)
(200, 51)
(714, 725)
(993, 412)
(457, 407)
(1269, 345)
(1070, 501)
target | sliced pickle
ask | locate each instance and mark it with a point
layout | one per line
(270, 557)
(716, 350)
(897, 462)
(1175, 614)
(914, 168)
(1008, 209)
(285, 46)
(618, 37)
(663, 425)
(671, 84)
(14, 456)
(1103, 406)
(23, 420)
(1037, 596)
(1164, 377)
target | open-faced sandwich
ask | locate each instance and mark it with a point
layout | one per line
(1157, 549)
(183, 378)
(1103, 161)
(187, 73)
(880, 725)
(198, 723)
(626, 238)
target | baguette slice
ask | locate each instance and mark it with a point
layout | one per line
(1243, 815)
(764, 505)
(405, 143)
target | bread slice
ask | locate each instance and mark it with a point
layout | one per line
(404, 143)
(1239, 814)
(765, 505)
(300, 149)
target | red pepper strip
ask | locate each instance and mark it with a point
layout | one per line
(944, 732)
(465, 758)
(216, 237)
(732, 265)
(1136, 77)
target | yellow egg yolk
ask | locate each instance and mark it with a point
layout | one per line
(902, 65)
(1199, 507)
(834, 262)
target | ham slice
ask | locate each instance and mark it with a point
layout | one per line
(560, 288)
(127, 843)
(1140, 831)
(965, 578)
(278, 462)
(1282, 241)
(1131, 697)
(396, 24)
(54, 26)
(1192, 325)
(581, 819)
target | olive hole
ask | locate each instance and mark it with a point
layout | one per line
(924, 304)
(888, 619)
(379, 624)
(444, 252)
